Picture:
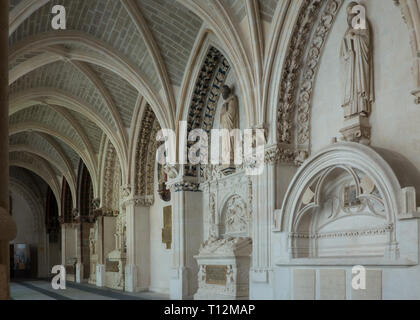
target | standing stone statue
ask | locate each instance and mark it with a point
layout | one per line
(357, 65)
(229, 119)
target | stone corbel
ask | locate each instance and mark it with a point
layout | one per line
(96, 203)
(75, 213)
(173, 171)
(182, 185)
(126, 191)
(142, 201)
(262, 127)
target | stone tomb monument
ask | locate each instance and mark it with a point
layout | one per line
(224, 259)
(224, 269)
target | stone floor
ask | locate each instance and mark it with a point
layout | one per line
(42, 290)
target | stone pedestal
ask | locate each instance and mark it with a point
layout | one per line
(93, 264)
(79, 272)
(100, 275)
(356, 129)
(179, 284)
(69, 250)
(224, 269)
(131, 278)
(114, 270)
(105, 243)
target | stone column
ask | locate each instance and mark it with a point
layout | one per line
(100, 265)
(79, 264)
(106, 244)
(137, 270)
(63, 244)
(187, 236)
(261, 275)
(69, 246)
(7, 225)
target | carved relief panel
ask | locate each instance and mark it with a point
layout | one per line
(227, 213)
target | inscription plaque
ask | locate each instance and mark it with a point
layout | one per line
(216, 275)
(112, 266)
(167, 227)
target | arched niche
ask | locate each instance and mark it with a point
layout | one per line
(351, 202)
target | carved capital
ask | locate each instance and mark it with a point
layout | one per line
(172, 171)
(125, 191)
(143, 201)
(181, 184)
(96, 203)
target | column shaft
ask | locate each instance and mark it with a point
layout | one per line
(7, 225)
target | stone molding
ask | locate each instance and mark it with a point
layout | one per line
(301, 66)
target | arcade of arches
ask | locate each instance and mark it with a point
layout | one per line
(81, 185)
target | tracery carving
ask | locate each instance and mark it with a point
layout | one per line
(206, 96)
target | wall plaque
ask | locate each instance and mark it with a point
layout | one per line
(112, 266)
(216, 275)
(167, 227)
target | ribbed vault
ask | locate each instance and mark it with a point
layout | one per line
(73, 89)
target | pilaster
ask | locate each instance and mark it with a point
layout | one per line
(187, 236)
(137, 269)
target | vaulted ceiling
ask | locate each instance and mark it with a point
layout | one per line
(69, 89)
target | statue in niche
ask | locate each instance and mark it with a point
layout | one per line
(229, 119)
(357, 67)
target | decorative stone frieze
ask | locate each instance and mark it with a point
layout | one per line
(206, 96)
